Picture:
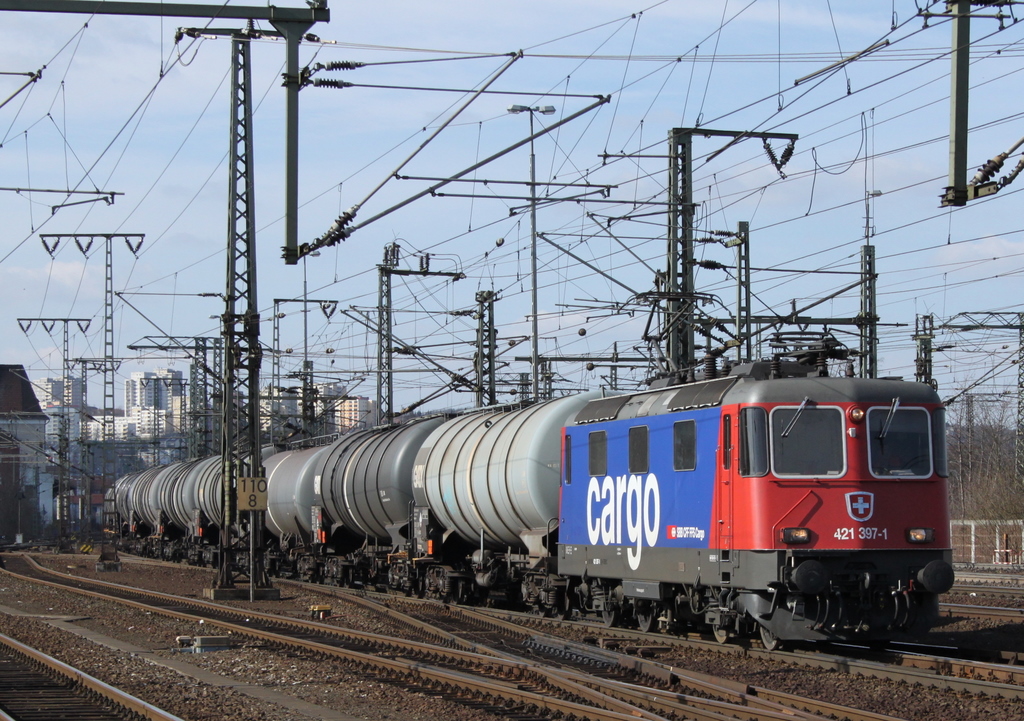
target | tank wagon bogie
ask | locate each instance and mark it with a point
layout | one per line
(772, 500)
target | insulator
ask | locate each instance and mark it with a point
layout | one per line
(710, 264)
(710, 367)
(343, 65)
(989, 169)
(328, 83)
(787, 154)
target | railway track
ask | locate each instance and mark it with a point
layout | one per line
(616, 670)
(37, 687)
(962, 670)
(988, 613)
(503, 683)
(625, 679)
(988, 590)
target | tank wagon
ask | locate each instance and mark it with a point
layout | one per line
(771, 500)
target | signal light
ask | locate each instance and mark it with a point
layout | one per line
(796, 535)
(920, 535)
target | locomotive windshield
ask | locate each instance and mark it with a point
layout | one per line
(807, 441)
(899, 442)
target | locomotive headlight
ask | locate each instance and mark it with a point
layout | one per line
(856, 415)
(796, 535)
(920, 535)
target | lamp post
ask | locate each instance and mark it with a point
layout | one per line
(534, 351)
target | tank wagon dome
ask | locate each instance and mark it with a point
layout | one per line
(496, 472)
(365, 478)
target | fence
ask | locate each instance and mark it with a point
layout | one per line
(988, 542)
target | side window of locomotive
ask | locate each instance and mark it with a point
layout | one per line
(567, 461)
(899, 443)
(939, 442)
(684, 445)
(807, 441)
(753, 442)
(638, 462)
(726, 442)
(598, 454)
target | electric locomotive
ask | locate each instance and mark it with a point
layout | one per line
(774, 499)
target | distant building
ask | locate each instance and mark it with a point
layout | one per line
(50, 392)
(279, 411)
(160, 389)
(354, 412)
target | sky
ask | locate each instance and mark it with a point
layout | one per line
(123, 109)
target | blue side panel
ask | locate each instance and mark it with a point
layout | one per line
(662, 508)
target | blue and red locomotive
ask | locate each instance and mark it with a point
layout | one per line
(803, 507)
(773, 499)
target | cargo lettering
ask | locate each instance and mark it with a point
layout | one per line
(630, 501)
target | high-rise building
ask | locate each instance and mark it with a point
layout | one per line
(159, 389)
(354, 412)
(50, 391)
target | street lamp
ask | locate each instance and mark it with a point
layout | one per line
(534, 352)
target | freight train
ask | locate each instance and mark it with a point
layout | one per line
(769, 498)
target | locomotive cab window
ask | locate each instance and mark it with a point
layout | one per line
(808, 441)
(684, 445)
(638, 462)
(899, 442)
(753, 442)
(598, 454)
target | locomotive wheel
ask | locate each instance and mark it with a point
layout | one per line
(770, 640)
(611, 617)
(646, 615)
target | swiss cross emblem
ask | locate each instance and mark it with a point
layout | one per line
(860, 505)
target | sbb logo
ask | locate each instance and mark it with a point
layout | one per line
(630, 502)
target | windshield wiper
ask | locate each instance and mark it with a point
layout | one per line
(796, 416)
(889, 418)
